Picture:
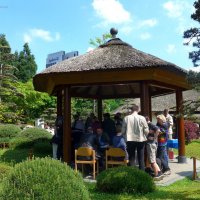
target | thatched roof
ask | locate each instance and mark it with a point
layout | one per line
(162, 102)
(97, 73)
(115, 54)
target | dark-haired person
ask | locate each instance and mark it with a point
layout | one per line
(135, 129)
(151, 148)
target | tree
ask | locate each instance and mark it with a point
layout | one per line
(100, 40)
(25, 63)
(193, 35)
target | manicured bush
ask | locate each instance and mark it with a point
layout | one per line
(8, 131)
(43, 147)
(35, 134)
(30, 136)
(125, 179)
(191, 131)
(4, 169)
(43, 179)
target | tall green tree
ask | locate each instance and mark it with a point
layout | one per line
(100, 40)
(193, 36)
(25, 63)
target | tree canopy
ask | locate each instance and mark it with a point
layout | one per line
(193, 36)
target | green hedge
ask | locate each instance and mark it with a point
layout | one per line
(29, 137)
(125, 179)
(8, 131)
(43, 179)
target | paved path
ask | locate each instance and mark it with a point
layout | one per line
(178, 171)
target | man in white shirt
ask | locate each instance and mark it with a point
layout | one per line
(135, 130)
(169, 121)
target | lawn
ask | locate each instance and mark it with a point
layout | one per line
(192, 149)
(184, 189)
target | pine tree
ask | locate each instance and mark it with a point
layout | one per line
(25, 63)
(193, 36)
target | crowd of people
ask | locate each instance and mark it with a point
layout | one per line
(133, 134)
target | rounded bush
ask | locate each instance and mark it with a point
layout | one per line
(125, 179)
(8, 131)
(42, 179)
(27, 138)
(35, 134)
(43, 146)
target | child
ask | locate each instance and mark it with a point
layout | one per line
(152, 148)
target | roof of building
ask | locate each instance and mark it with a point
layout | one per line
(162, 102)
(115, 54)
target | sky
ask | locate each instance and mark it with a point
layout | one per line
(153, 26)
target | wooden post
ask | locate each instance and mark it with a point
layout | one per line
(180, 126)
(67, 143)
(145, 99)
(99, 105)
(59, 103)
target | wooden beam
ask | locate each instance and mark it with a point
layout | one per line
(59, 103)
(144, 98)
(100, 109)
(180, 127)
(67, 143)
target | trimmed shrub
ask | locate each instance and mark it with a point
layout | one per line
(125, 179)
(35, 134)
(30, 136)
(8, 131)
(42, 179)
(191, 131)
(43, 147)
(4, 169)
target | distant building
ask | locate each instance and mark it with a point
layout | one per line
(57, 57)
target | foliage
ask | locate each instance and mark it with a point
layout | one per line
(183, 189)
(25, 63)
(193, 35)
(125, 179)
(100, 40)
(44, 178)
(28, 104)
(42, 146)
(8, 131)
(4, 169)
(191, 131)
(49, 115)
(29, 137)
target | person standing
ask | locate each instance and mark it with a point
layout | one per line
(169, 120)
(162, 143)
(135, 129)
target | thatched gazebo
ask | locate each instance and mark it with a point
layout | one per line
(113, 70)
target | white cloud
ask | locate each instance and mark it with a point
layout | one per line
(177, 8)
(148, 23)
(126, 30)
(171, 48)
(45, 35)
(145, 36)
(111, 11)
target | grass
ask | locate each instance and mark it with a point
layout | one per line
(192, 149)
(184, 189)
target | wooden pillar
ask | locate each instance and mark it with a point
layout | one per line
(99, 108)
(180, 126)
(150, 107)
(59, 103)
(145, 99)
(67, 142)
